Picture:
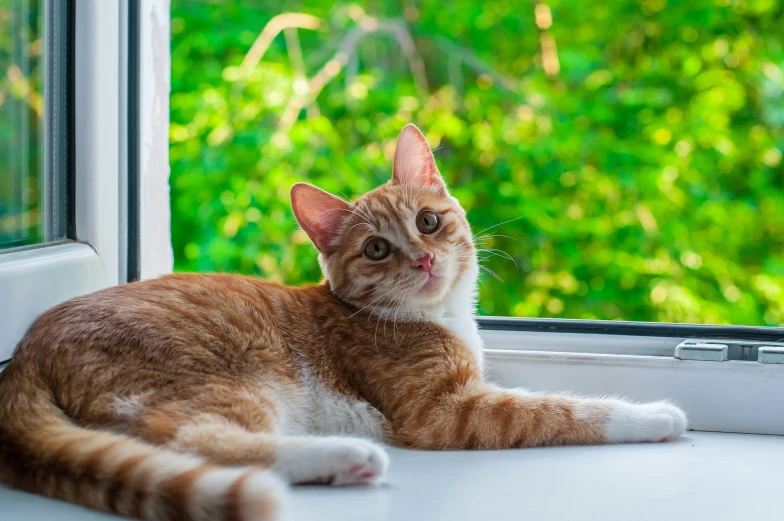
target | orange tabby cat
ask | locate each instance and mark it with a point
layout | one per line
(197, 396)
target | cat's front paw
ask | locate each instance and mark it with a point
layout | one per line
(333, 460)
(357, 462)
(659, 421)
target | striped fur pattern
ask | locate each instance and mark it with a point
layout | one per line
(199, 397)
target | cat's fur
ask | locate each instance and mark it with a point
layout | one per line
(190, 396)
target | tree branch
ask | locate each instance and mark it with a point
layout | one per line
(271, 30)
(347, 47)
(298, 65)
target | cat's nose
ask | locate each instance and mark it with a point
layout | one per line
(425, 262)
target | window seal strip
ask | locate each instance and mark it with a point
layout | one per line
(70, 115)
(610, 327)
(134, 187)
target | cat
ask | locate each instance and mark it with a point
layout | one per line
(199, 396)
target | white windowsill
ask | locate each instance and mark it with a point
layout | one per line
(702, 476)
(731, 396)
(36, 279)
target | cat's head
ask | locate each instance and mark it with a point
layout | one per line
(404, 246)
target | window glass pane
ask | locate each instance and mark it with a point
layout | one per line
(620, 160)
(32, 138)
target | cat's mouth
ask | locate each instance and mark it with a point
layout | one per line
(432, 281)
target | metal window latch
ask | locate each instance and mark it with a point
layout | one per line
(705, 351)
(723, 350)
(771, 354)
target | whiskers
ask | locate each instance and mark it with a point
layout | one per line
(388, 304)
(391, 305)
(375, 300)
(490, 272)
(495, 252)
(479, 233)
(463, 250)
(395, 309)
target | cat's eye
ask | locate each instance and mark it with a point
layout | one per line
(376, 248)
(427, 221)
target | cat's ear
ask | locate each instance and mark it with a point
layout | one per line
(414, 163)
(320, 215)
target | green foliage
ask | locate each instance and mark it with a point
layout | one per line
(641, 181)
(21, 123)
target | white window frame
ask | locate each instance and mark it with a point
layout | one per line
(155, 246)
(37, 278)
(34, 279)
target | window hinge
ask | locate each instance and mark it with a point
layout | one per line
(723, 350)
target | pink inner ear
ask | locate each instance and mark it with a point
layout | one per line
(414, 162)
(320, 214)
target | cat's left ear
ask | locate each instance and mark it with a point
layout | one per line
(414, 163)
(320, 214)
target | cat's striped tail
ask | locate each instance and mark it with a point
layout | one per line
(43, 452)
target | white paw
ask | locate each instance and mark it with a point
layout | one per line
(659, 421)
(331, 460)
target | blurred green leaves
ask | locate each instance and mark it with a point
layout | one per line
(643, 181)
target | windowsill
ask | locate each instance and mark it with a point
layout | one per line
(35, 279)
(703, 476)
(732, 396)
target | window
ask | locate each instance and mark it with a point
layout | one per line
(622, 165)
(33, 191)
(632, 172)
(60, 157)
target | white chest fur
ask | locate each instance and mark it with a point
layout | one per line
(458, 314)
(465, 328)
